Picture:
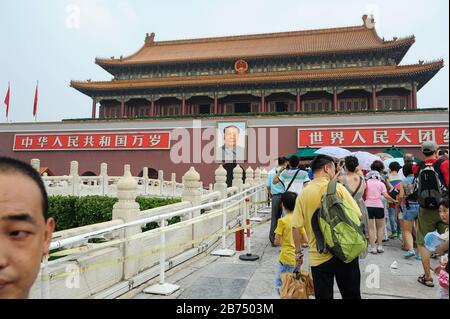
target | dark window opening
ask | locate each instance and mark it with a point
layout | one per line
(387, 104)
(402, 103)
(394, 104)
(152, 173)
(88, 173)
(204, 109)
(363, 104)
(242, 108)
(349, 106)
(281, 107)
(380, 104)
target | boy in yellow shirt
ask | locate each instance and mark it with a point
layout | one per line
(283, 237)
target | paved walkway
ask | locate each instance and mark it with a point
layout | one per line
(212, 277)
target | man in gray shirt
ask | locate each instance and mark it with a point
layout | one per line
(230, 150)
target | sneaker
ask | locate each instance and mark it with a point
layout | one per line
(410, 253)
(372, 250)
(380, 249)
(418, 257)
(393, 236)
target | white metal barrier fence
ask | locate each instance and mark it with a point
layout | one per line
(246, 202)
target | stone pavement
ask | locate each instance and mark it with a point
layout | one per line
(212, 277)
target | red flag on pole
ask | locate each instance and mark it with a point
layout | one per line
(35, 100)
(7, 100)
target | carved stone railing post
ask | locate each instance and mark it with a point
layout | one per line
(104, 178)
(127, 209)
(75, 178)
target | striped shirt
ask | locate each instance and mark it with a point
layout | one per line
(297, 186)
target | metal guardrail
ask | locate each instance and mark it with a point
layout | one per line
(215, 208)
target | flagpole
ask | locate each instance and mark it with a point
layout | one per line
(7, 101)
(37, 90)
(35, 101)
(7, 111)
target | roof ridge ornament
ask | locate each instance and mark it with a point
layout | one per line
(369, 21)
(149, 39)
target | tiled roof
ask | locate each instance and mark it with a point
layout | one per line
(309, 42)
(304, 75)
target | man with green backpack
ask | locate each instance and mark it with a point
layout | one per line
(332, 220)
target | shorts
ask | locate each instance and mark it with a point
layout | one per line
(411, 213)
(375, 212)
(429, 221)
(281, 269)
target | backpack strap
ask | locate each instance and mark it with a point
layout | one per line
(437, 169)
(421, 167)
(315, 225)
(331, 189)
(353, 193)
(359, 186)
(293, 179)
(282, 183)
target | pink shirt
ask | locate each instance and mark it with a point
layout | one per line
(374, 193)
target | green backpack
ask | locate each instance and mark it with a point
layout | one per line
(337, 229)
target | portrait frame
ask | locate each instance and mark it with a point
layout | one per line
(222, 152)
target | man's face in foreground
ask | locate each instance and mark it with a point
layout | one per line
(231, 137)
(24, 234)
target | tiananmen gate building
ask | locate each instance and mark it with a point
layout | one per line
(339, 86)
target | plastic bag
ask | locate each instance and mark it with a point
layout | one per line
(296, 285)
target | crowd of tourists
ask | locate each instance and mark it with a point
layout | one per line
(340, 212)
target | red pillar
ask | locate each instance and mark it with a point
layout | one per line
(410, 100)
(183, 105)
(414, 96)
(216, 104)
(122, 107)
(299, 102)
(263, 104)
(335, 100)
(152, 108)
(374, 98)
(94, 108)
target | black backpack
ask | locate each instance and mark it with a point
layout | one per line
(430, 186)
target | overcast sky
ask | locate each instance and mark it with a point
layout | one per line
(55, 41)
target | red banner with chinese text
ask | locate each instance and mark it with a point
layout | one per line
(373, 137)
(96, 141)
